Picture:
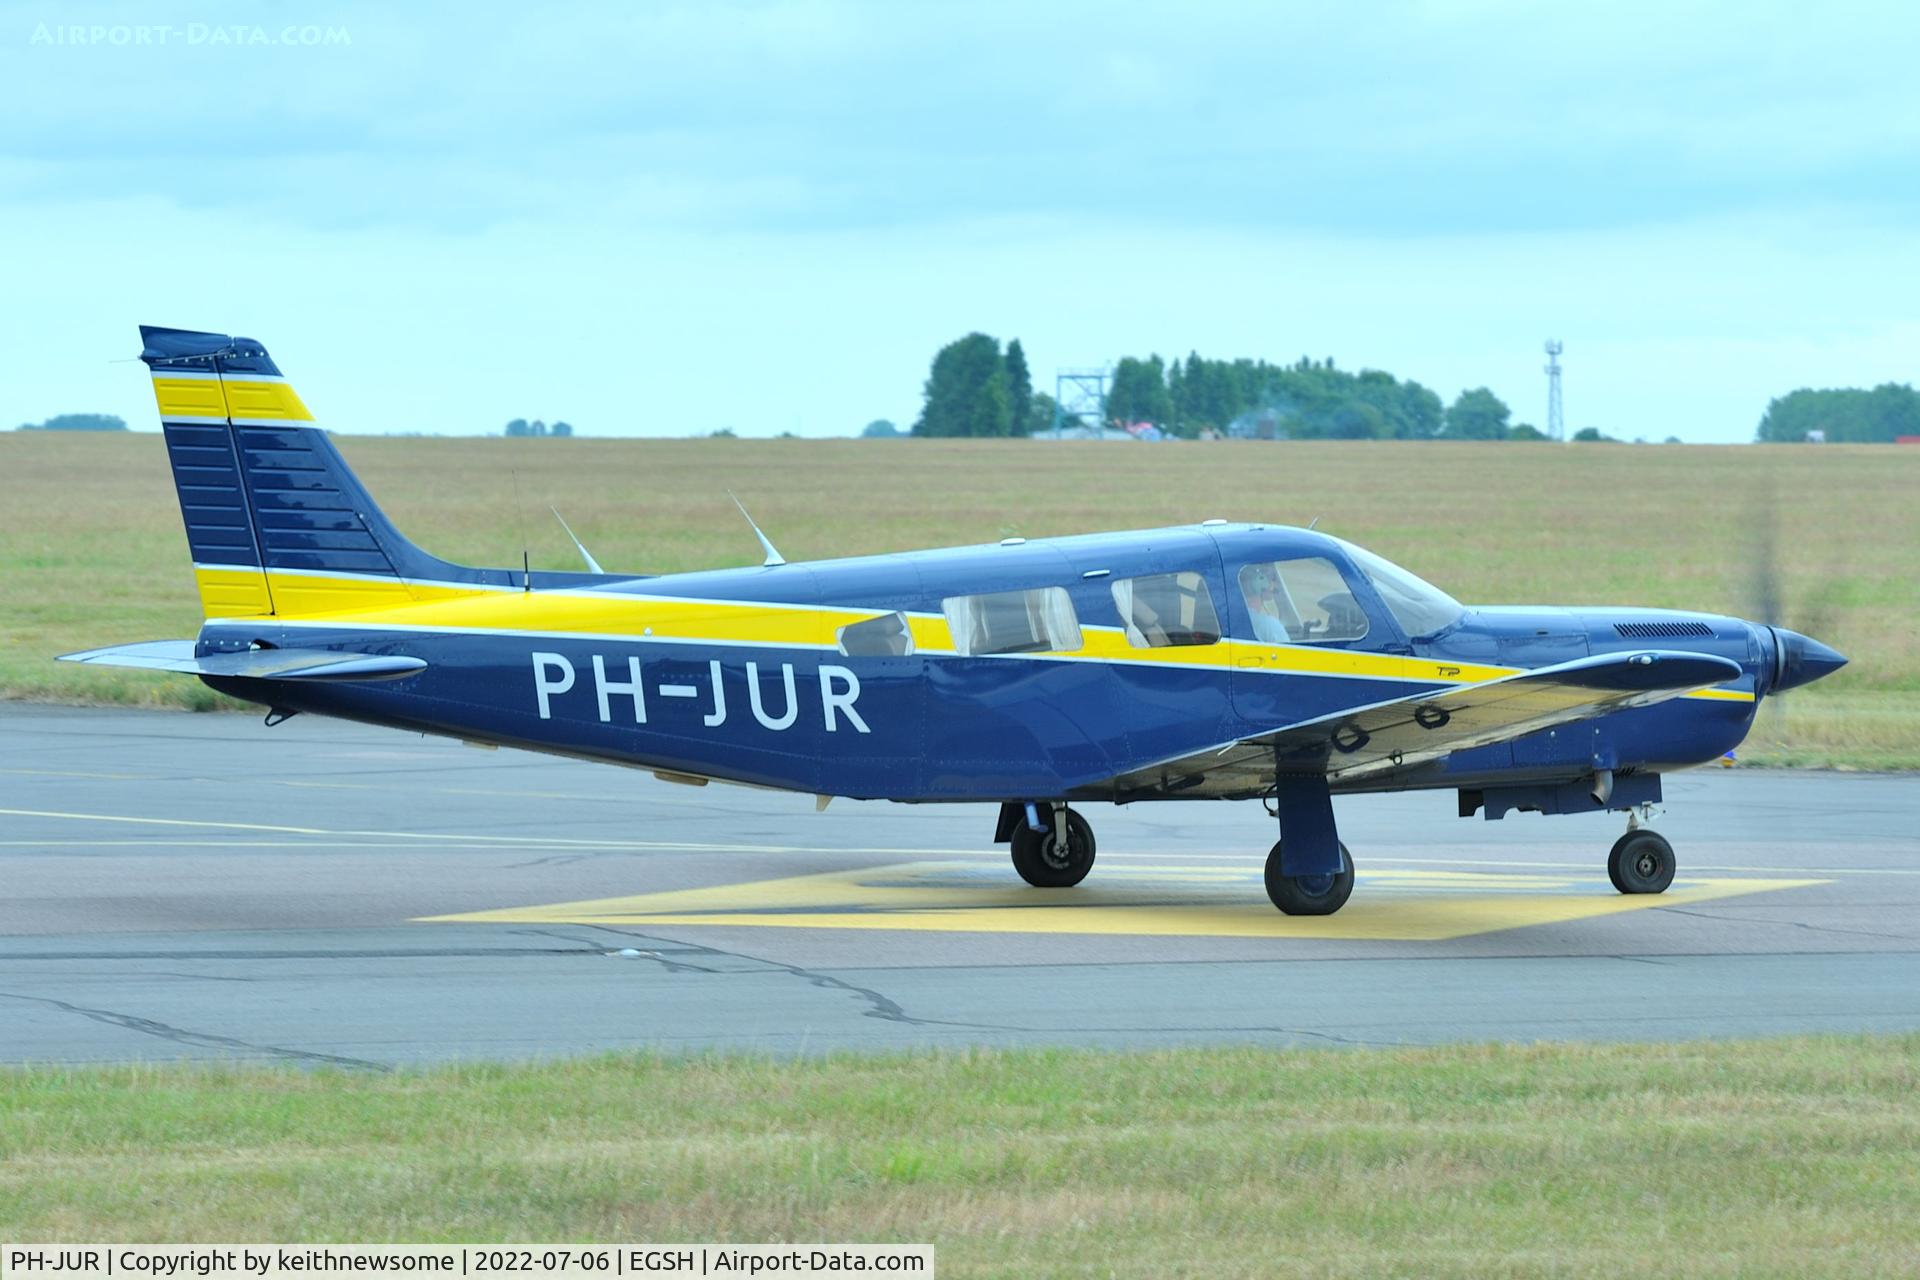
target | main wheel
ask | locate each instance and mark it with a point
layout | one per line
(1047, 861)
(1309, 895)
(1641, 862)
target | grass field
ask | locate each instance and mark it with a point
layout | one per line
(91, 550)
(1785, 1157)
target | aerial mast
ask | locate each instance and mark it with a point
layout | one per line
(1556, 418)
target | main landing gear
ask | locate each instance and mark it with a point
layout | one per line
(1052, 845)
(1641, 861)
(1309, 895)
(1309, 873)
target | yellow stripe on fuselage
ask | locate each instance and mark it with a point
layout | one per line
(404, 605)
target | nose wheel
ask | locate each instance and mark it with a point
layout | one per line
(1057, 857)
(1641, 862)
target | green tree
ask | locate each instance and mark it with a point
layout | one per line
(879, 429)
(1592, 435)
(1526, 431)
(1138, 391)
(1019, 390)
(562, 429)
(1040, 415)
(1477, 415)
(966, 391)
(78, 422)
(1843, 415)
(518, 427)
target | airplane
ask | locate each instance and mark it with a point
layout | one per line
(1213, 661)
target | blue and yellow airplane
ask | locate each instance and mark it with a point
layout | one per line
(1208, 662)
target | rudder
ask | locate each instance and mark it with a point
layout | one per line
(276, 520)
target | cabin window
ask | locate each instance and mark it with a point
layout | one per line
(1167, 609)
(1036, 621)
(1303, 601)
(887, 636)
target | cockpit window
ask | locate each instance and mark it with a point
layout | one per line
(1303, 601)
(1417, 605)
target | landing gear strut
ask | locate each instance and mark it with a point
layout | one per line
(1049, 859)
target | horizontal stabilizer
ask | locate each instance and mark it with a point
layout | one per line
(251, 664)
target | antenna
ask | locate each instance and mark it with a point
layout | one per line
(520, 518)
(1311, 523)
(774, 557)
(593, 566)
(1556, 419)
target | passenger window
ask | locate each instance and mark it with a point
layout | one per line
(887, 636)
(1302, 601)
(1167, 609)
(1037, 621)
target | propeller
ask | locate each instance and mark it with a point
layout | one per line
(1798, 659)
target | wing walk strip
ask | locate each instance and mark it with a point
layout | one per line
(347, 602)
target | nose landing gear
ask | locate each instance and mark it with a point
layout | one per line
(1641, 861)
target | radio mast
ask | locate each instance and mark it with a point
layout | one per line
(1556, 418)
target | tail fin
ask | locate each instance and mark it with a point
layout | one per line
(277, 521)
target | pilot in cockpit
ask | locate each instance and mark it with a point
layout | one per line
(1263, 603)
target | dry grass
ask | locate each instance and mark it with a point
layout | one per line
(92, 552)
(1707, 1159)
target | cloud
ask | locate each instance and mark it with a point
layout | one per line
(821, 115)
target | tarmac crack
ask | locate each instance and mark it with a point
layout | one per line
(199, 1039)
(1797, 924)
(887, 1009)
(659, 957)
(878, 1004)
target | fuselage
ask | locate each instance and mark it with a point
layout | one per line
(1001, 672)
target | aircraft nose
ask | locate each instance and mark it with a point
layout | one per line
(1801, 660)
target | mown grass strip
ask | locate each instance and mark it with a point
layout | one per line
(1765, 1157)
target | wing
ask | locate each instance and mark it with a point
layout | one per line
(252, 664)
(1385, 737)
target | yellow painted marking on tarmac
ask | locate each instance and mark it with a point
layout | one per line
(959, 897)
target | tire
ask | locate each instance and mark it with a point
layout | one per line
(1040, 860)
(1309, 895)
(1641, 862)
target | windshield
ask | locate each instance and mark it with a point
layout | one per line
(1416, 604)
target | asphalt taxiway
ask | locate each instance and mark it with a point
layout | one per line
(199, 886)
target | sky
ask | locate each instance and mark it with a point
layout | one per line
(667, 219)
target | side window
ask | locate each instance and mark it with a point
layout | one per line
(1302, 601)
(887, 636)
(1036, 621)
(1167, 609)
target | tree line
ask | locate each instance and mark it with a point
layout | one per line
(975, 388)
(77, 422)
(1842, 416)
(521, 427)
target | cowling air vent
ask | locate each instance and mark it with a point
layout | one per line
(1661, 630)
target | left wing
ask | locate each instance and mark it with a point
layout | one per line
(1350, 746)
